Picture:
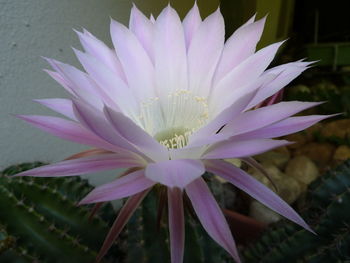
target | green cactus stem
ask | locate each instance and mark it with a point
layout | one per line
(42, 215)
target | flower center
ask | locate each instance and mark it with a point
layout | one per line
(174, 138)
(172, 118)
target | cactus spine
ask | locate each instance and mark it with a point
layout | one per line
(42, 216)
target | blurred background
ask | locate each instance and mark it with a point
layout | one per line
(303, 172)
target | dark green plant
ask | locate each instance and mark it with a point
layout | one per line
(6, 241)
(327, 209)
(45, 225)
(337, 98)
(43, 220)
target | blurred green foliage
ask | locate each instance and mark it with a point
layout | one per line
(336, 98)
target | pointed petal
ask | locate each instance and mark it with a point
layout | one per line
(170, 53)
(100, 51)
(86, 165)
(250, 21)
(118, 225)
(285, 127)
(175, 173)
(176, 224)
(255, 85)
(78, 82)
(204, 53)
(152, 19)
(142, 27)
(262, 117)
(239, 47)
(136, 63)
(113, 90)
(87, 153)
(255, 189)
(285, 76)
(122, 187)
(191, 23)
(60, 80)
(249, 69)
(237, 101)
(134, 134)
(221, 119)
(243, 132)
(238, 148)
(211, 216)
(67, 130)
(96, 122)
(62, 106)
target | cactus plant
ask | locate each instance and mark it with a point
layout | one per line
(44, 212)
(37, 212)
(42, 217)
(326, 207)
(143, 242)
(6, 241)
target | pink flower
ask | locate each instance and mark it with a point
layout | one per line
(171, 101)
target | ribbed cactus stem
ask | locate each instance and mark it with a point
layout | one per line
(41, 213)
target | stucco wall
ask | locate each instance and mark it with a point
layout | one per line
(28, 30)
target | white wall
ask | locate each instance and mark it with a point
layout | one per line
(30, 29)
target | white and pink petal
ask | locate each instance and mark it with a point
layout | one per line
(204, 53)
(241, 148)
(91, 164)
(191, 23)
(176, 224)
(175, 173)
(122, 187)
(137, 65)
(254, 188)
(211, 216)
(239, 47)
(142, 27)
(170, 54)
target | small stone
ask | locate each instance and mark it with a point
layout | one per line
(342, 153)
(338, 128)
(274, 173)
(263, 214)
(278, 157)
(288, 189)
(320, 153)
(302, 169)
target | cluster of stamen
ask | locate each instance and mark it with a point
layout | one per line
(177, 141)
(179, 114)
